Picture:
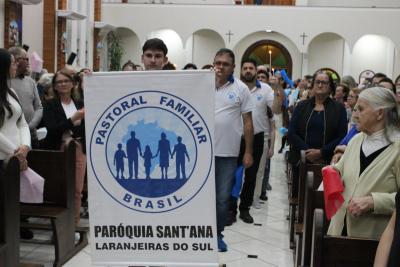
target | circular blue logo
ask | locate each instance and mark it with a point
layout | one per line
(232, 96)
(151, 151)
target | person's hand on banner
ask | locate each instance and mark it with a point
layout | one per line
(360, 205)
(86, 72)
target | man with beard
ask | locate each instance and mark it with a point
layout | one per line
(262, 97)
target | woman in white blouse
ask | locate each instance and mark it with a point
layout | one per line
(14, 131)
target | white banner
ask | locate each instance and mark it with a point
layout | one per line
(150, 165)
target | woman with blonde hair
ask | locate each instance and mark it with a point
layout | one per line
(63, 117)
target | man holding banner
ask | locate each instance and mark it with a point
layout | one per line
(233, 108)
(152, 220)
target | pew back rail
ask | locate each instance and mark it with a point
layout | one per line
(58, 170)
(330, 251)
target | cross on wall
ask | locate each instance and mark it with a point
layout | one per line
(303, 36)
(229, 35)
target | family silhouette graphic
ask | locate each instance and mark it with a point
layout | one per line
(133, 149)
(147, 156)
(164, 150)
(180, 150)
(119, 161)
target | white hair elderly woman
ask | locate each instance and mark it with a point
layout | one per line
(370, 167)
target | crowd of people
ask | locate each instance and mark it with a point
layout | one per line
(356, 128)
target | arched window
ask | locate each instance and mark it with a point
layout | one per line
(271, 54)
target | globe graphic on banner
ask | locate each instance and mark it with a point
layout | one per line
(147, 157)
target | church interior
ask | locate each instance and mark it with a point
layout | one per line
(356, 38)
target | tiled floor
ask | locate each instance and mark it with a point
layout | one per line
(268, 242)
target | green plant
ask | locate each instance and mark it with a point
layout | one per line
(115, 51)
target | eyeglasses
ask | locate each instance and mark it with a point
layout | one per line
(62, 81)
(317, 82)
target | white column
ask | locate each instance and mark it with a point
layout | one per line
(189, 49)
(347, 60)
(396, 64)
(81, 62)
(390, 54)
(304, 64)
(89, 22)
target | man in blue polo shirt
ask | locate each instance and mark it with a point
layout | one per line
(233, 107)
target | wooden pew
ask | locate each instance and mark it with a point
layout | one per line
(333, 251)
(9, 214)
(306, 170)
(314, 199)
(294, 201)
(58, 170)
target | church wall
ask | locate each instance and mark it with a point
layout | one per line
(375, 53)
(390, 55)
(326, 51)
(131, 45)
(396, 64)
(258, 36)
(32, 27)
(355, 3)
(205, 45)
(350, 23)
(173, 41)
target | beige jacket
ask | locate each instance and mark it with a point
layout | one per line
(381, 179)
